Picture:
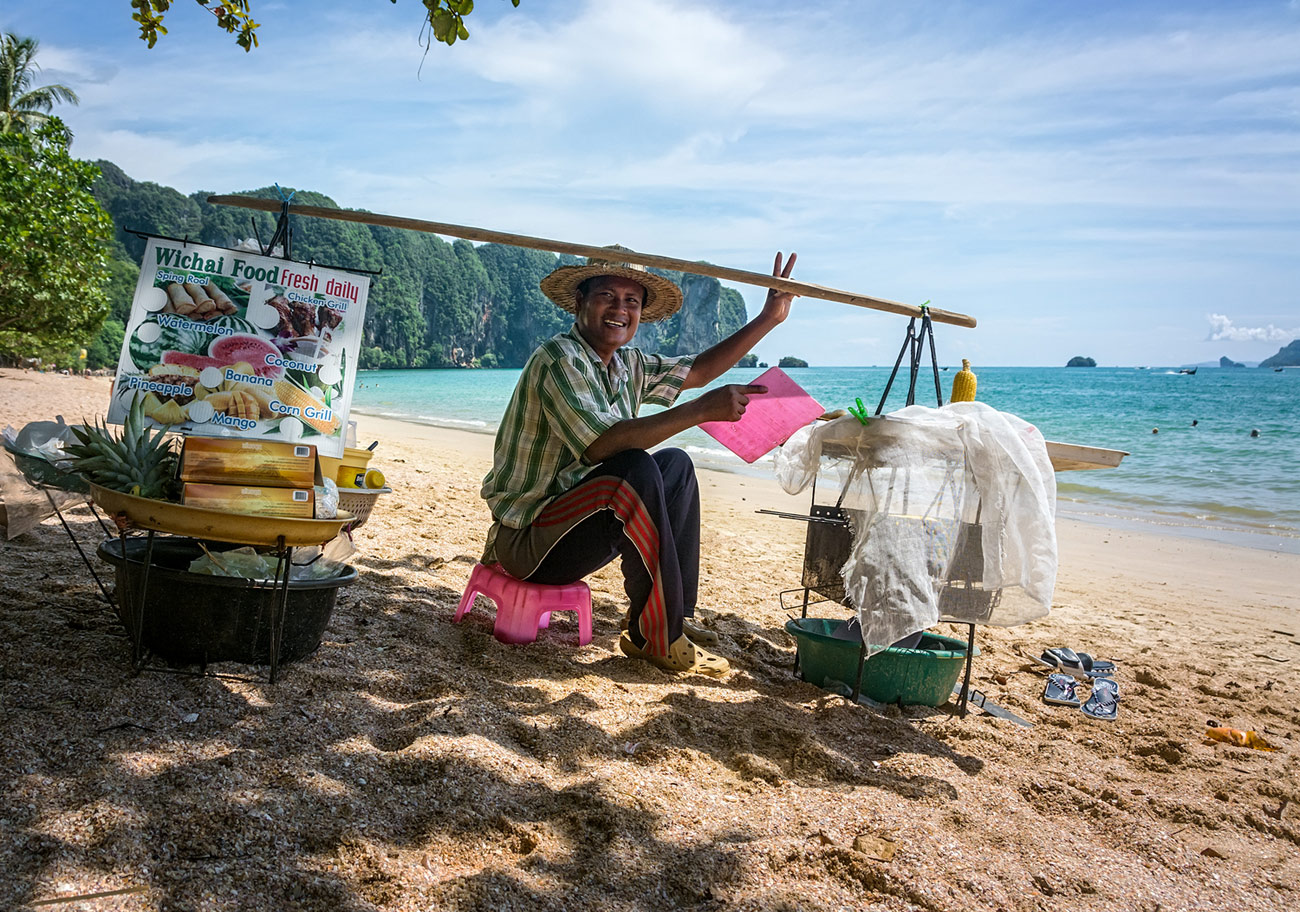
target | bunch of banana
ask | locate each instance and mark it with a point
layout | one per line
(138, 462)
(260, 395)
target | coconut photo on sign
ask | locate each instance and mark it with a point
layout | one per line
(224, 343)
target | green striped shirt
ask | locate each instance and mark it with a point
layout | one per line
(564, 400)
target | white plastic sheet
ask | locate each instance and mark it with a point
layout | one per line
(953, 512)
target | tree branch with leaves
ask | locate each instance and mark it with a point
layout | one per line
(444, 20)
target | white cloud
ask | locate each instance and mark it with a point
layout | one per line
(1091, 165)
(1221, 329)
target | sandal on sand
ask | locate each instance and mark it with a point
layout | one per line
(698, 634)
(1062, 690)
(1065, 659)
(1104, 702)
(683, 655)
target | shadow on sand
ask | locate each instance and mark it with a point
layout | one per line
(409, 758)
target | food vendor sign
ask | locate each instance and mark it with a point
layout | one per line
(226, 343)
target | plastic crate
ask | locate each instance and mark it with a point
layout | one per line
(922, 676)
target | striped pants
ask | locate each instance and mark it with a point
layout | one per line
(644, 507)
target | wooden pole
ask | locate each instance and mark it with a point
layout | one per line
(745, 277)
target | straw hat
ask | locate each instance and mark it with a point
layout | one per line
(662, 297)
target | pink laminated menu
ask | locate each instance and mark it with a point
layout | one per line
(769, 419)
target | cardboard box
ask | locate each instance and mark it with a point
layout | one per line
(260, 463)
(293, 503)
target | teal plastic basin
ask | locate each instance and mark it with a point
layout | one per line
(923, 676)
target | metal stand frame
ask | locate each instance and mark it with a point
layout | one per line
(103, 590)
(914, 347)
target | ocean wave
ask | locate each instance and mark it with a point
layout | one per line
(475, 425)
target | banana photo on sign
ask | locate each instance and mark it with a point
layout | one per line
(225, 343)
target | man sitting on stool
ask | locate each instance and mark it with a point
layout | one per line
(572, 485)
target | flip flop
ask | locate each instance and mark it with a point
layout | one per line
(1103, 703)
(1062, 690)
(1064, 659)
(683, 656)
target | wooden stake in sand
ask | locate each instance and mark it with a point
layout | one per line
(806, 289)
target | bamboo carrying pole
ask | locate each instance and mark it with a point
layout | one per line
(743, 276)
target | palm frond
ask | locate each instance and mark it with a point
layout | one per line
(22, 107)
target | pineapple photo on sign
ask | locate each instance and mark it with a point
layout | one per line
(226, 343)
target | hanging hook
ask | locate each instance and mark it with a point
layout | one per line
(283, 229)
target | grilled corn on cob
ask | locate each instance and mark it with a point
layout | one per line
(311, 410)
(963, 384)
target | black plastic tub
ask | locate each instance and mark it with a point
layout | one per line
(196, 618)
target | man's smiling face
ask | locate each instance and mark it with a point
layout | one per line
(609, 312)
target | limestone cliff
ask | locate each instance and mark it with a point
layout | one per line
(1287, 356)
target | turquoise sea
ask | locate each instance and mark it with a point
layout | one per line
(1212, 479)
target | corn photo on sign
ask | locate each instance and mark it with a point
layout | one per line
(231, 344)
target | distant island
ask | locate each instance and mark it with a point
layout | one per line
(788, 361)
(1287, 356)
(1225, 361)
(1081, 361)
(750, 360)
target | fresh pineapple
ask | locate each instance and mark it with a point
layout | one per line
(138, 462)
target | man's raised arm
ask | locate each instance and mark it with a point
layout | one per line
(713, 363)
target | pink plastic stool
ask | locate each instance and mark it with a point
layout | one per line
(524, 608)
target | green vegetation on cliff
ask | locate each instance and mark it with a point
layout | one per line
(436, 304)
(1287, 356)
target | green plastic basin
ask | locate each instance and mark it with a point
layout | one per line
(923, 676)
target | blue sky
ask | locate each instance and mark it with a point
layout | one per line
(1120, 180)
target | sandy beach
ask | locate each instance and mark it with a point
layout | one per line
(412, 763)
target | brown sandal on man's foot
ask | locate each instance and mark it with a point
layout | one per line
(683, 656)
(698, 634)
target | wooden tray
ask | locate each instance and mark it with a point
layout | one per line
(215, 525)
